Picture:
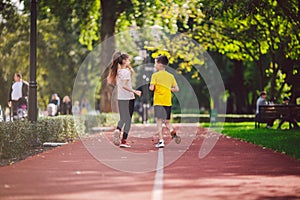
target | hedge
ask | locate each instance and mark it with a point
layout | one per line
(19, 136)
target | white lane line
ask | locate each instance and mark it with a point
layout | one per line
(157, 192)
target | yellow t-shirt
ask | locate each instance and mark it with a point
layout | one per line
(163, 81)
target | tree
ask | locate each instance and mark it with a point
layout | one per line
(259, 38)
(59, 52)
(13, 47)
(111, 11)
(250, 30)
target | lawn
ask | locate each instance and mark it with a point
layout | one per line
(284, 140)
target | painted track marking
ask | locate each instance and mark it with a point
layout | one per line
(157, 192)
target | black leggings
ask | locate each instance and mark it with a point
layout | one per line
(125, 111)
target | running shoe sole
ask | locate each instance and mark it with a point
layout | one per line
(125, 146)
(116, 137)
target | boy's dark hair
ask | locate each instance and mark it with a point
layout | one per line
(162, 59)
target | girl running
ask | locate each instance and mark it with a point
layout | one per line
(120, 75)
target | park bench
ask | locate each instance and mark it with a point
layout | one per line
(273, 112)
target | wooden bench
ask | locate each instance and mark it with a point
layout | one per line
(273, 112)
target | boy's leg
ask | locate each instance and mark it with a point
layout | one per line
(167, 120)
(159, 128)
(161, 142)
(169, 125)
(159, 115)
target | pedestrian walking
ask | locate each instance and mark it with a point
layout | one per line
(18, 97)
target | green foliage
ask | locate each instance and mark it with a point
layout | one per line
(255, 32)
(104, 119)
(15, 138)
(19, 136)
(14, 48)
(283, 141)
(90, 32)
(59, 52)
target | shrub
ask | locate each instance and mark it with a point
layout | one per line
(19, 136)
(15, 138)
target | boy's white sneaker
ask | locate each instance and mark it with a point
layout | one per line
(160, 144)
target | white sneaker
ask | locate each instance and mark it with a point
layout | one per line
(116, 139)
(160, 144)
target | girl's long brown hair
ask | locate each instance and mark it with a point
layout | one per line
(117, 60)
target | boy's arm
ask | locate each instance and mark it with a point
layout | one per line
(175, 88)
(152, 84)
(151, 87)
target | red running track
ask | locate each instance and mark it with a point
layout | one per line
(232, 170)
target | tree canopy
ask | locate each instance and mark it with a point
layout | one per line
(255, 44)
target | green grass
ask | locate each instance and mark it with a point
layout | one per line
(284, 140)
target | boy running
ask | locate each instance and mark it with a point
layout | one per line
(163, 84)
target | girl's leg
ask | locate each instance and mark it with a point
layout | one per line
(128, 111)
(121, 105)
(121, 122)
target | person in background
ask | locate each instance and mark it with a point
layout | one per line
(55, 100)
(273, 101)
(286, 101)
(288, 118)
(76, 108)
(18, 95)
(84, 106)
(262, 101)
(66, 106)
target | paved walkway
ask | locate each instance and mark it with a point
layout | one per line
(232, 170)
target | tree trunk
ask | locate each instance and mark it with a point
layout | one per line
(110, 11)
(239, 87)
(261, 74)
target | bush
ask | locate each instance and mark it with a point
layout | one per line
(19, 136)
(15, 138)
(58, 129)
(105, 119)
